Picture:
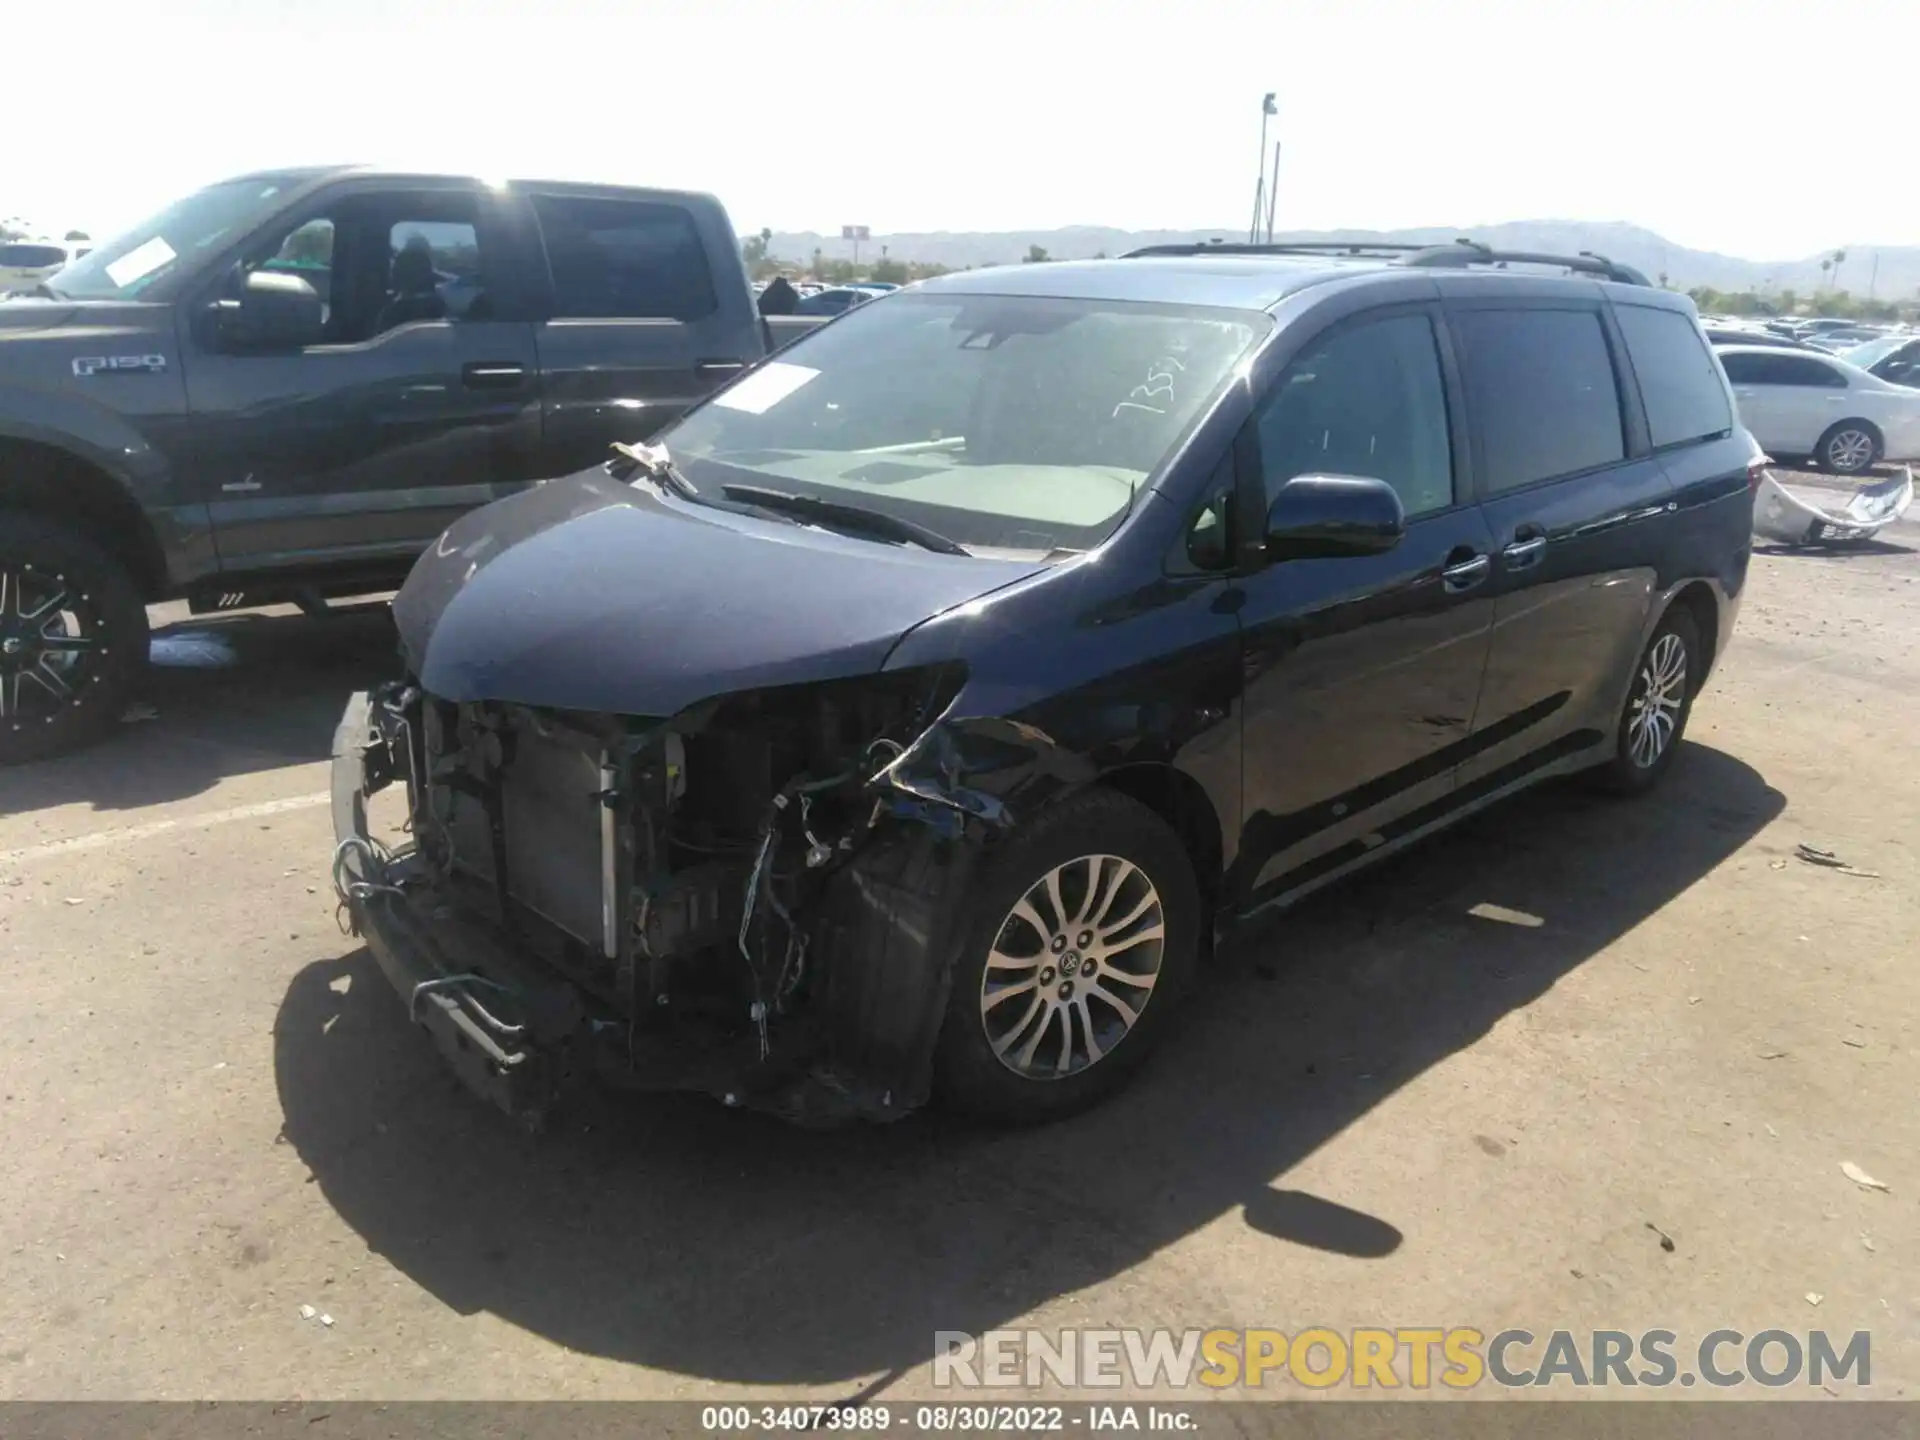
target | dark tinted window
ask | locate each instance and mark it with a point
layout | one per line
(1781, 370)
(624, 259)
(1367, 400)
(32, 257)
(1679, 383)
(1542, 390)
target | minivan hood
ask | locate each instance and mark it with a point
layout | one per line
(586, 593)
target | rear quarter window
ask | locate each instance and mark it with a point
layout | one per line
(1679, 383)
(1542, 390)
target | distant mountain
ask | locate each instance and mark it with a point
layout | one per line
(1898, 275)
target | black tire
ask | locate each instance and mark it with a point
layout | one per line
(1628, 773)
(41, 559)
(1096, 823)
(1840, 449)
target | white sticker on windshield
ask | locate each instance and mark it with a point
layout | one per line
(140, 261)
(765, 388)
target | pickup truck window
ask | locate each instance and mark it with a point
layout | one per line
(384, 259)
(624, 259)
(1025, 423)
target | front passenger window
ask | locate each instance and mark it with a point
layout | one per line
(1368, 400)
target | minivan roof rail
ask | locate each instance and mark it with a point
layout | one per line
(1458, 254)
(1303, 247)
(1464, 252)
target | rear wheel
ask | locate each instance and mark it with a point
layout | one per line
(1655, 717)
(1849, 448)
(73, 638)
(1087, 930)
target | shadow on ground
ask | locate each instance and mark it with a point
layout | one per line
(230, 695)
(684, 1237)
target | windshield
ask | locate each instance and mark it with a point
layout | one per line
(1872, 352)
(128, 264)
(1001, 422)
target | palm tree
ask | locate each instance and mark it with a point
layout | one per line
(1826, 267)
(1839, 259)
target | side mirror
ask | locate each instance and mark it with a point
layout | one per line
(1323, 517)
(275, 311)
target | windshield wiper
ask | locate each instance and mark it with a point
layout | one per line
(849, 517)
(44, 291)
(658, 466)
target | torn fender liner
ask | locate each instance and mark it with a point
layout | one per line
(1791, 519)
(894, 923)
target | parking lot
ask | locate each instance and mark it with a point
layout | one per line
(1475, 1087)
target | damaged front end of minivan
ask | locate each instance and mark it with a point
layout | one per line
(755, 898)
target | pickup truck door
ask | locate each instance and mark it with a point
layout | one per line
(423, 401)
(649, 311)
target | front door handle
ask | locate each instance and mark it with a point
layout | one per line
(492, 374)
(719, 367)
(1465, 574)
(1524, 553)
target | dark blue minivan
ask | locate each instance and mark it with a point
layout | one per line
(910, 717)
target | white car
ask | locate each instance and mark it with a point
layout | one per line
(1797, 403)
(25, 263)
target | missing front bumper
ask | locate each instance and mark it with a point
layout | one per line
(520, 1035)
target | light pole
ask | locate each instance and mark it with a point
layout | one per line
(1267, 110)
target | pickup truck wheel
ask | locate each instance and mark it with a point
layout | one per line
(73, 638)
(1086, 931)
(1658, 704)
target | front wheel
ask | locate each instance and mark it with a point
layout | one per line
(1086, 932)
(73, 638)
(1655, 716)
(1849, 448)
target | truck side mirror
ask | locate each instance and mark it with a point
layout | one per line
(275, 312)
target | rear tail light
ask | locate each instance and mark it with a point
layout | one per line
(1757, 469)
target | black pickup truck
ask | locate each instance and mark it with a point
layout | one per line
(285, 386)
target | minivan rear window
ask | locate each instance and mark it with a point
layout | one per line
(1679, 383)
(31, 257)
(1541, 386)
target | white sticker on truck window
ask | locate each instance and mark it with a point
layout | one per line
(765, 388)
(139, 262)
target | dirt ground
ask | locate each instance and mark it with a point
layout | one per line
(1392, 1110)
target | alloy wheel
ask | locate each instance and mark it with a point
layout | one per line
(50, 636)
(1072, 967)
(1654, 715)
(1850, 451)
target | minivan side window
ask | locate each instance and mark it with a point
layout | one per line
(624, 259)
(1367, 400)
(1542, 390)
(1679, 384)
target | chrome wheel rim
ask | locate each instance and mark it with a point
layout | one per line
(1850, 450)
(1072, 967)
(49, 636)
(1654, 715)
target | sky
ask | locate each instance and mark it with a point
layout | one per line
(1718, 123)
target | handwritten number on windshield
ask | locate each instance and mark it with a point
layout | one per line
(1158, 386)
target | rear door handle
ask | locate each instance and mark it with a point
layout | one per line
(1523, 553)
(719, 367)
(1465, 574)
(492, 374)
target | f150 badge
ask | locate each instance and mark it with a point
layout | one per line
(119, 364)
